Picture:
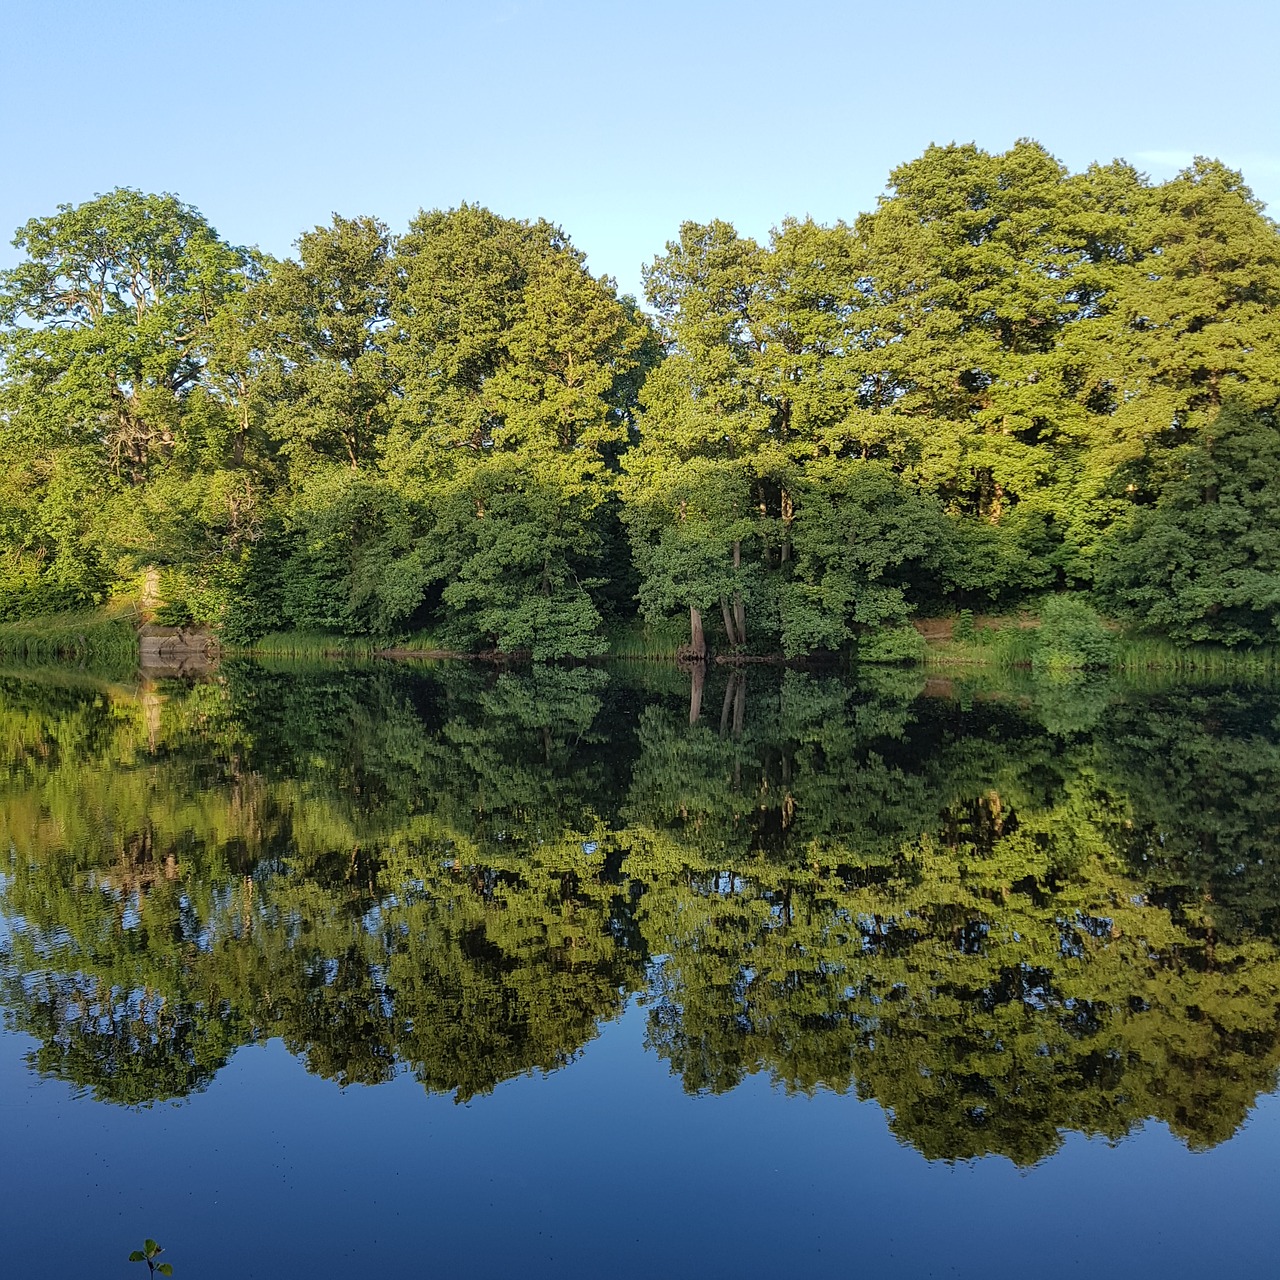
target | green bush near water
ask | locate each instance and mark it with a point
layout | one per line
(1071, 637)
(893, 645)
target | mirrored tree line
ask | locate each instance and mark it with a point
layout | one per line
(998, 925)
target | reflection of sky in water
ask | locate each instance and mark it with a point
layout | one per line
(528, 1182)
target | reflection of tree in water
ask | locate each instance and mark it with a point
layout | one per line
(984, 1015)
(982, 962)
(411, 898)
(998, 930)
(1202, 775)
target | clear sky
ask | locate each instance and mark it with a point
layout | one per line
(617, 121)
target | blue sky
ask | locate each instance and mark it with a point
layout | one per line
(616, 120)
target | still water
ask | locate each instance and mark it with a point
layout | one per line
(352, 971)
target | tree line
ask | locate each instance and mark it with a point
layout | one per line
(998, 924)
(1007, 381)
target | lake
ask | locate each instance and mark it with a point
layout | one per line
(363, 970)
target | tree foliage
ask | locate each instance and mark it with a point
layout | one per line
(1203, 561)
(1006, 380)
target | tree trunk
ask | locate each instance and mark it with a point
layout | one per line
(730, 629)
(739, 609)
(242, 435)
(698, 677)
(727, 706)
(697, 639)
(788, 514)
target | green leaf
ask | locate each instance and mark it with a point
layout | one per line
(165, 1268)
(152, 1248)
(137, 1256)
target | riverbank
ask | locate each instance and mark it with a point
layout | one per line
(118, 635)
(1017, 643)
(109, 634)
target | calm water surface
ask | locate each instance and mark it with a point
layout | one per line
(337, 972)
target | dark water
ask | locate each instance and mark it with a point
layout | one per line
(371, 971)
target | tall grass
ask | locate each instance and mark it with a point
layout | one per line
(311, 644)
(1148, 654)
(329, 644)
(1009, 646)
(104, 638)
(639, 641)
(424, 642)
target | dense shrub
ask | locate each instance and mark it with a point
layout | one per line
(893, 645)
(1072, 637)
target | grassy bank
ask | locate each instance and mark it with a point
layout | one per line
(639, 641)
(308, 644)
(319, 645)
(105, 637)
(1007, 644)
(1135, 654)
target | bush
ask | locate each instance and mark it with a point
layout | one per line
(892, 644)
(1072, 637)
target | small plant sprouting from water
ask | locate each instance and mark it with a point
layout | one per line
(149, 1252)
